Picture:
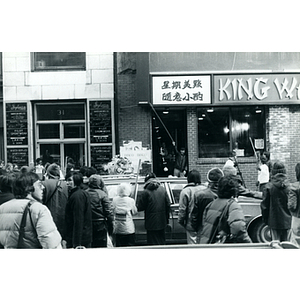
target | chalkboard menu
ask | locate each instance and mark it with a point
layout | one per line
(16, 124)
(100, 156)
(100, 122)
(18, 156)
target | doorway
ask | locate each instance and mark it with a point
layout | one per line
(174, 128)
(60, 133)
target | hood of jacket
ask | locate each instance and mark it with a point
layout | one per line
(152, 184)
(280, 180)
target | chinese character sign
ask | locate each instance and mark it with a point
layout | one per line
(181, 90)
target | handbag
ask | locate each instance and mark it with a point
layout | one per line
(220, 236)
(21, 244)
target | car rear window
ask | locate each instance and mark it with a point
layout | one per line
(176, 188)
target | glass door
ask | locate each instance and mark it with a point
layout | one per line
(61, 134)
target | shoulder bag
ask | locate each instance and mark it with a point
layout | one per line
(219, 236)
(21, 244)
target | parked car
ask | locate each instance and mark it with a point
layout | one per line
(175, 233)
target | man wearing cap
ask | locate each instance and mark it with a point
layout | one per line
(203, 198)
(55, 195)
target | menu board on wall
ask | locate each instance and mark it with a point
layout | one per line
(16, 124)
(18, 156)
(100, 156)
(100, 122)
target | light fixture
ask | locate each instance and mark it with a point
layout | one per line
(257, 110)
(210, 110)
(200, 119)
(165, 111)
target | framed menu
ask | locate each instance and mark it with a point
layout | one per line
(18, 156)
(100, 122)
(16, 124)
(100, 156)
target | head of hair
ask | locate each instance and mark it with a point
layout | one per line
(149, 176)
(7, 182)
(229, 170)
(124, 189)
(9, 167)
(90, 171)
(77, 178)
(266, 154)
(278, 167)
(38, 160)
(228, 186)
(214, 174)
(83, 170)
(23, 184)
(96, 182)
(69, 175)
(194, 176)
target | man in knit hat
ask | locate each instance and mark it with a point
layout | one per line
(274, 206)
(203, 198)
(55, 195)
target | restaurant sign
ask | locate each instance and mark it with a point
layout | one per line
(257, 89)
(181, 90)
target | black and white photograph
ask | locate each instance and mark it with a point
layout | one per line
(149, 163)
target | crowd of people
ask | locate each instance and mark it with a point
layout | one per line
(212, 213)
(41, 208)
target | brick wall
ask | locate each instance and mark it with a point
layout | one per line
(284, 136)
(247, 165)
(134, 120)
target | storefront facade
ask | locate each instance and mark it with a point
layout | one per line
(214, 103)
(57, 106)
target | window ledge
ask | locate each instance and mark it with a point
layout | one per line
(222, 160)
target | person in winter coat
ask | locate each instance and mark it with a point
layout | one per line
(154, 201)
(180, 165)
(102, 211)
(124, 208)
(40, 230)
(56, 196)
(233, 225)
(6, 187)
(294, 207)
(78, 216)
(274, 206)
(186, 204)
(242, 191)
(203, 198)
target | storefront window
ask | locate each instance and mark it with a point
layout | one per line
(222, 130)
(43, 61)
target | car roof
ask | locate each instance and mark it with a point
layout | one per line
(114, 179)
